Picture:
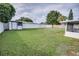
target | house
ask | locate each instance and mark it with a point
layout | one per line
(71, 28)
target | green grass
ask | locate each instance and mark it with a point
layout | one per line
(37, 42)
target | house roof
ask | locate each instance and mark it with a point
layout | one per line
(70, 21)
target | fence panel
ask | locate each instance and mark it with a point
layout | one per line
(25, 25)
(1, 27)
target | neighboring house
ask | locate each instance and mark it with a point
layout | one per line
(71, 28)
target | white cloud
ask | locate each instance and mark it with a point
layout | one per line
(38, 12)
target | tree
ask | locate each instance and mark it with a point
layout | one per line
(62, 18)
(70, 17)
(7, 11)
(52, 17)
(25, 19)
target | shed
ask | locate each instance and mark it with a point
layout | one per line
(15, 25)
(71, 28)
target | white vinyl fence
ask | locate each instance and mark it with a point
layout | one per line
(36, 25)
(13, 25)
(1, 27)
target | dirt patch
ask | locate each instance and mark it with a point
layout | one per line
(71, 52)
(61, 49)
(66, 50)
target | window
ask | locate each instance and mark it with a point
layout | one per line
(76, 27)
(70, 27)
(73, 27)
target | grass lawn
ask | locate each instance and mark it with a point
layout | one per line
(38, 42)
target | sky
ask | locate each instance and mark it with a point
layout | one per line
(38, 11)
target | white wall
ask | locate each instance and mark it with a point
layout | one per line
(1, 27)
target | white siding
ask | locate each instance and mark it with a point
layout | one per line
(1, 27)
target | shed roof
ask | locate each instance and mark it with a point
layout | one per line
(15, 21)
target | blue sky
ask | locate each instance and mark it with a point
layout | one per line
(38, 11)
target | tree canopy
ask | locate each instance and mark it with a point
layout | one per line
(62, 18)
(7, 11)
(70, 17)
(25, 19)
(52, 17)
